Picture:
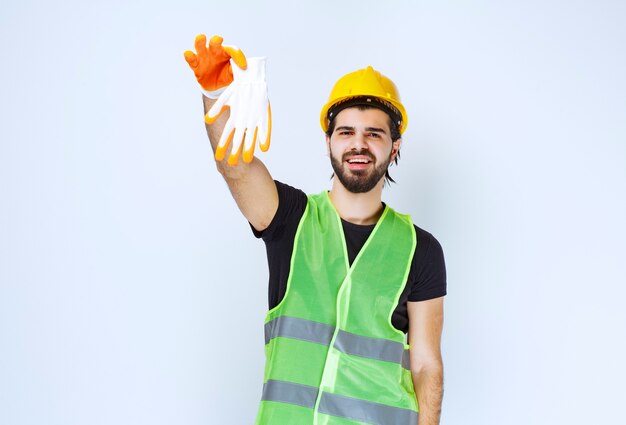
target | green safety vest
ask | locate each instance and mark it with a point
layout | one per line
(332, 355)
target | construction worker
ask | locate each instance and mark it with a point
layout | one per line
(350, 278)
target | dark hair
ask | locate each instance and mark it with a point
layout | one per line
(393, 127)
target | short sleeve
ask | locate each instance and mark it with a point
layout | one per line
(429, 269)
(291, 205)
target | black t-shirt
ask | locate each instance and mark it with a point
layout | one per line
(427, 276)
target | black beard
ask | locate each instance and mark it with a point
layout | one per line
(357, 181)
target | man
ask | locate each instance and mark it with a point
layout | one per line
(349, 277)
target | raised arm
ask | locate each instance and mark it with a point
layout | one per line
(425, 326)
(249, 182)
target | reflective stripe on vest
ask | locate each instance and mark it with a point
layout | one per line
(320, 333)
(333, 356)
(336, 405)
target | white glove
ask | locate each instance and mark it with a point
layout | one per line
(250, 114)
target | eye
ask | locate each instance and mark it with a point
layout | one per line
(374, 135)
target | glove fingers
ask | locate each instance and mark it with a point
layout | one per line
(235, 151)
(216, 40)
(211, 119)
(219, 106)
(215, 46)
(191, 58)
(214, 113)
(200, 44)
(264, 139)
(237, 55)
(227, 136)
(248, 145)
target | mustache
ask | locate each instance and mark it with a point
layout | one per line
(362, 152)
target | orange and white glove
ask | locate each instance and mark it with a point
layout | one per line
(250, 118)
(212, 66)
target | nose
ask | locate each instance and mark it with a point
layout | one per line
(358, 141)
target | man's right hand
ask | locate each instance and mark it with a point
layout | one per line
(211, 65)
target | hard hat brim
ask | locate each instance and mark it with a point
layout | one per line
(368, 101)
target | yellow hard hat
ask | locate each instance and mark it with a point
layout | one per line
(364, 87)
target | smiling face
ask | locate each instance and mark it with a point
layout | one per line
(361, 148)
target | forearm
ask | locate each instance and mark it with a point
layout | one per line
(428, 383)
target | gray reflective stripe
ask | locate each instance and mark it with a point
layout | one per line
(373, 348)
(294, 327)
(288, 392)
(337, 405)
(406, 360)
(349, 343)
(366, 411)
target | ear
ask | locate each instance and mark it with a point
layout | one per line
(395, 148)
(327, 145)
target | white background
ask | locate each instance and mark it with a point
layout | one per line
(133, 292)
